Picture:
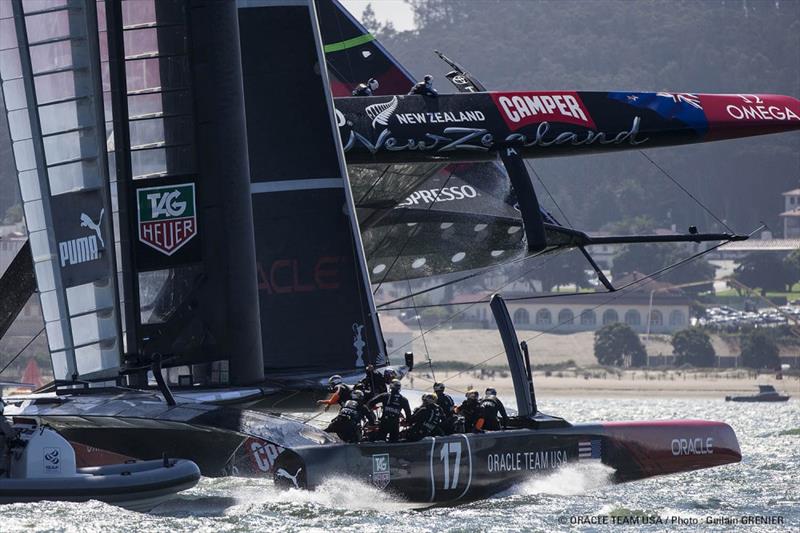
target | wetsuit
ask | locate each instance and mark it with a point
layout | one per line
(426, 421)
(362, 89)
(373, 384)
(7, 435)
(347, 424)
(446, 403)
(491, 407)
(340, 395)
(425, 89)
(393, 404)
(472, 413)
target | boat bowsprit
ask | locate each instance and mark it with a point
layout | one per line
(42, 467)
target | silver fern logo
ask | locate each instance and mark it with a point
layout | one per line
(381, 113)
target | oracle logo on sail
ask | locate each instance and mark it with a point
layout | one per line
(522, 109)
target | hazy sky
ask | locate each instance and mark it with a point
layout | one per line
(396, 11)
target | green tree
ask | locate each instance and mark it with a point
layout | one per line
(618, 345)
(759, 350)
(649, 258)
(693, 346)
(565, 268)
(766, 271)
(13, 214)
(792, 262)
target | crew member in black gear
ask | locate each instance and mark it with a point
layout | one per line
(425, 87)
(366, 89)
(491, 406)
(426, 420)
(470, 409)
(445, 401)
(347, 424)
(393, 404)
(8, 438)
(373, 383)
(341, 392)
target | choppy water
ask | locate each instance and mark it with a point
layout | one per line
(766, 483)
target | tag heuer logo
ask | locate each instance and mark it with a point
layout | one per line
(381, 473)
(167, 216)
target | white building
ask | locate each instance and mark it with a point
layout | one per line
(571, 312)
(791, 214)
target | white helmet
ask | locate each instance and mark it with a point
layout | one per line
(373, 84)
(352, 404)
(334, 380)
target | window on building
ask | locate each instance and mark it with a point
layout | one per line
(543, 317)
(656, 318)
(610, 317)
(588, 318)
(633, 318)
(521, 316)
(566, 316)
(677, 318)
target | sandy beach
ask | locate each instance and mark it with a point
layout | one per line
(586, 379)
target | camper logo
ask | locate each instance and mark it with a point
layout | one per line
(381, 474)
(167, 216)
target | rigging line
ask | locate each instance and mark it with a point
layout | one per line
(454, 315)
(410, 233)
(684, 189)
(649, 278)
(422, 333)
(553, 198)
(374, 184)
(480, 272)
(22, 350)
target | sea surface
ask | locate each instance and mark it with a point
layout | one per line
(765, 484)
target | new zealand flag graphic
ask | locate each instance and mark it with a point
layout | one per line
(685, 107)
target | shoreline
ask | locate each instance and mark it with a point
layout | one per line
(631, 384)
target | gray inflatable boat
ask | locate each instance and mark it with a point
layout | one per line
(41, 466)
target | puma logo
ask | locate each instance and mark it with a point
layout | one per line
(87, 222)
(293, 478)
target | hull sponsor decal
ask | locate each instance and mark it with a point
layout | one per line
(381, 472)
(589, 450)
(522, 109)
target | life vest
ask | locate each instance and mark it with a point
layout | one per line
(490, 408)
(393, 405)
(350, 415)
(445, 401)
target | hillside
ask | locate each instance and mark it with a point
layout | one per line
(726, 46)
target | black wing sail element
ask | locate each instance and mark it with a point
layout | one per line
(316, 304)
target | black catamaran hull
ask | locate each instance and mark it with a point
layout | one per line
(475, 127)
(465, 467)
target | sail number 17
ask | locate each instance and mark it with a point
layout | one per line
(447, 449)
